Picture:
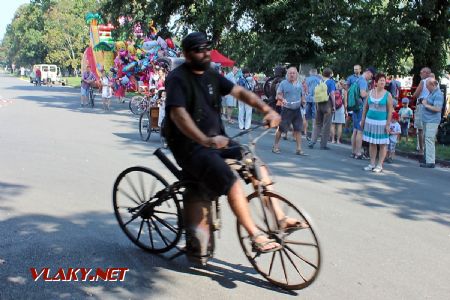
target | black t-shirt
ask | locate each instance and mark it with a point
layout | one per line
(177, 93)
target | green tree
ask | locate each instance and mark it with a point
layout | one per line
(24, 37)
(336, 33)
(67, 33)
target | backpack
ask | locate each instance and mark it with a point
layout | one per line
(353, 97)
(320, 92)
(338, 99)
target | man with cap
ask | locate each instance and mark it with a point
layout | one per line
(405, 114)
(196, 136)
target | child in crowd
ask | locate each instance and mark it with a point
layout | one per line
(406, 114)
(394, 132)
(106, 90)
(162, 106)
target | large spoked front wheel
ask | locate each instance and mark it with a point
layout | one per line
(297, 264)
(145, 124)
(149, 215)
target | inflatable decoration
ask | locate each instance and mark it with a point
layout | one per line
(170, 43)
(130, 65)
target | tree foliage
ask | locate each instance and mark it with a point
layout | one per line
(394, 35)
(48, 31)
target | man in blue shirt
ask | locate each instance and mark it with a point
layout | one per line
(324, 111)
(311, 82)
(431, 117)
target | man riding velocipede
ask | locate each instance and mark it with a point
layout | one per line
(196, 136)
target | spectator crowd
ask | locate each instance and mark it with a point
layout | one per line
(367, 102)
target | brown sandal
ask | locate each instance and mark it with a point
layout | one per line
(291, 227)
(259, 247)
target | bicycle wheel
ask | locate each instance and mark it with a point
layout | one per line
(145, 129)
(91, 97)
(149, 216)
(136, 105)
(297, 264)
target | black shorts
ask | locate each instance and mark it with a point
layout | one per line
(291, 116)
(208, 167)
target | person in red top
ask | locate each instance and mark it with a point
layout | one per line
(38, 76)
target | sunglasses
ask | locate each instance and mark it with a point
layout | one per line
(201, 49)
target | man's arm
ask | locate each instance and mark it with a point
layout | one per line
(363, 93)
(254, 101)
(418, 90)
(437, 104)
(187, 126)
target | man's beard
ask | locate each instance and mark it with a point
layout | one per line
(199, 65)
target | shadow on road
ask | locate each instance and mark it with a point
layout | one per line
(405, 189)
(94, 240)
(8, 191)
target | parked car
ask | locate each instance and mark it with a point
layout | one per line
(48, 71)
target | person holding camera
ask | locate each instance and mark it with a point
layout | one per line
(431, 117)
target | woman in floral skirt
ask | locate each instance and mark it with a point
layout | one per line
(376, 119)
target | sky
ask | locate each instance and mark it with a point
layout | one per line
(7, 13)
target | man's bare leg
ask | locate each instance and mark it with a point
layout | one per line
(279, 213)
(358, 142)
(276, 145)
(298, 140)
(239, 206)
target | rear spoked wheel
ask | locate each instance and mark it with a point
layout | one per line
(145, 129)
(297, 264)
(148, 215)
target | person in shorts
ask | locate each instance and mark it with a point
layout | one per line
(197, 138)
(290, 94)
(86, 80)
(405, 114)
(394, 133)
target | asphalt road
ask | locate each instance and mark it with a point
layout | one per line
(384, 236)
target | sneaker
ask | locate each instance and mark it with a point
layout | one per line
(311, 145)
(378, 169)
(308, 138)
(389, 160)
(369, 168)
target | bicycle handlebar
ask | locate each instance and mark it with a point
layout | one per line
(244, 132)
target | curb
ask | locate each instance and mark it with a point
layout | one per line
(410, 155)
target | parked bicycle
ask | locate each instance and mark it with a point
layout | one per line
(152, 213)
(141, 103)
